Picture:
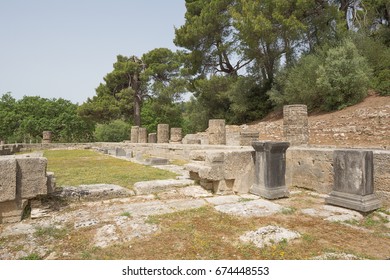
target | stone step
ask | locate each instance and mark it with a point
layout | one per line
(149, 187)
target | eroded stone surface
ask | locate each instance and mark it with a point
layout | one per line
(255, 208)
(269, 235)
(333, 213)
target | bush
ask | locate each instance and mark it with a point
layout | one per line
(328, 80)
(115, 131)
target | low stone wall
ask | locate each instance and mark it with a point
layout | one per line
(312, 168)
(22, 178)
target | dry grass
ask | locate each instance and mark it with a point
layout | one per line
(205, 234)
(77, 167)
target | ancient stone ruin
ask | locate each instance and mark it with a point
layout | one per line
(296, 124)
(22, 179)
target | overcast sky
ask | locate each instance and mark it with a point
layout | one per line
(64, 48)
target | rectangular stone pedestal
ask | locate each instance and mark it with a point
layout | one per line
(354, 181)
(270, 169)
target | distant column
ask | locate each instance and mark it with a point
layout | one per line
(134, 134)
(217, 132)
(354, 181)
(152, 138)
(176, 135)
(46, 137)
(143, 135)
(162, 133)
(270, 169)
(296, 124)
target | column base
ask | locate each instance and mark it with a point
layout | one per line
(270, 193)
(361, 203)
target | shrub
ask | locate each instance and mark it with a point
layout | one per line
(115, 131)
(328, 80)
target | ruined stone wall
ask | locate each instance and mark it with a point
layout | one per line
(22, 178)
(312, 168)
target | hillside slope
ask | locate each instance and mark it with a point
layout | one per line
(366, 124)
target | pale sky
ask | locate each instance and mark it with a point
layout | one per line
(64, 48)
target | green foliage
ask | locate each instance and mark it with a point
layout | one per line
(115, 131)
(328, 80)
(378, 57)
(24, 120)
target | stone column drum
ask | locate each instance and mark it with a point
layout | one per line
(162, 133)
(142, 135)
(354, 181)
(217, 132)
(176, 135)
(296, 124)
(46, 139)
(134, 134)
(270, 169)
(152, 138)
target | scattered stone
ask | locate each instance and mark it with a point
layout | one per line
(17, 229)
(105, 236)
(269, 235)
(87, 223)
(255, 208)
(37, 213)
(156, 161)
(149, 187)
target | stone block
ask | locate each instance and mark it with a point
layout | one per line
(247, 137)
(12, 211)
(157, 161)
(162, 133)
(270, 169)
(296, 124)
(7, 179)
(46, 139)
(152, 138)
(31, 177)
(119, 152)
(51, 182)
(176, 135)
(217, 132)
(143, 135)
(354, 181)
(134, 134)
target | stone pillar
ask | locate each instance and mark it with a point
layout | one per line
(270, 169)
(163, 133)
(46, 137)
(1, 142)
(152, 138)
(354, 181)
(247, 137)
(142, 135)
(217, 132)
(176, 135)
(296, 124)
(134, 134)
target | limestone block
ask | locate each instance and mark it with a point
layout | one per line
(295, 124)
(162, 133)
(7, 179)
(134, 134)
(119, 152)
(46, 139)
(198, 155)
(51, 182)
(143, 135)
(31, 177)
(217, 132)
(152, 138)
(247, 137)
(12, 211)
(176, 135)
(354, 181)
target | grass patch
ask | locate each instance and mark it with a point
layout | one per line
(56, 233)
(32, 256)
(126, 214)
(78, 167)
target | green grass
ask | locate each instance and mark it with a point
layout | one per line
(78, 167)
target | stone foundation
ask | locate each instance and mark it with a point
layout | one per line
(22, 178)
